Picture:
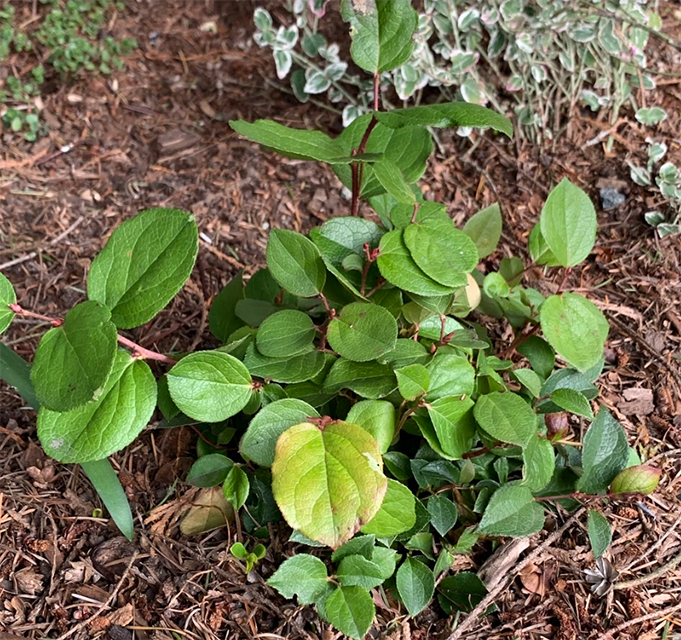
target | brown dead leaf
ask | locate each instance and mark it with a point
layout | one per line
(29, 581)
(210, 510)
(533, 580)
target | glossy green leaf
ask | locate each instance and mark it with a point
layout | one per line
(259, 441)
(7, 297)
(443, 252)
(600, 533)
(484, 228)
(604, 453)
(210, 386)
(397, 513)
(302, 575)
(450, 375)
(391, 179)
(540, 252)
(362, 332)
(513, 512)
(367, 379)
(575, 328)
(73, 361)
(106, 425)
(222, 318)
(413, 381)
(568, 223)
(236, 487)
(539, 354)
(351, 610)
(464, 590)
(299, 368)
(136, 279)
(209, 470)
(16, 372)
(443, 513)
(357, 571)
(415, 584)
(285, 333)
(377, 417)
(539, 461)
(359, 545)
(454, 426)
(295, 263)
(572, 401)
(506, 417)
(529, 379)
(328, 482)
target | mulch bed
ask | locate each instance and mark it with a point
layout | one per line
(157, 135)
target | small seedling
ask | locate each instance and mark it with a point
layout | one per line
(238, 550)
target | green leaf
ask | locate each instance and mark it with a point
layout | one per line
(513, 512)
(453, 423)
(484, 228)
(351, 610)
(377, 417)
(359, 545)
(144, 264)
(295, 263)
(289, 142)
(443, 513)
(539, 354)
(328, 482)
(572, 401)
(506, 417)
(260, 439)
(446, 115)
(357, 571)
(362, 332)
(16, 372)
(386, 559)
(285, 333)
(210, 510)
(444, 253)
(450, 375)
(600, 533)
(222, 318)
(391, 179)
(367, 379)
(106, 425)
(466, 541)
(464, 590)
(413, 381)
(604, 453)
(539, 463)
(381, 32)
(568, 223)
(539, 249)
(7, 297)
(209, 470)
(236, 487)
(495, 286)
(406, 352)
(415, 584)
(397, 512)
(210, 386)
(108, 487)
(575, 327)
(73, 361)
(529, 379)
(302, 575)
(300, 368)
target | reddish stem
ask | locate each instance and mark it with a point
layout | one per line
(475, 454)
(19, 310)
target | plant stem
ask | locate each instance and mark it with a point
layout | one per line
(57, 322)
(519, 340)
(475, 454)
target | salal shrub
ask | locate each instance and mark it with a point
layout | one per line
(541, 57)
(361, 391)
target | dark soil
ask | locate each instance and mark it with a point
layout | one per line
(157, 136)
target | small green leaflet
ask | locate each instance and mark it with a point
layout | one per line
(513, 512)
(444, 253)
(299, 368)
(454, 425)
(210, 386)
(367, 379)
(260, 439)
(289, 142)
(222, 319)
(7, 297)
(357, 571)
(449, 114)
(302, 575)
(377, 417)
(540, 355)
(600, 533)
(73, 361)
(443, 513)
(397, 512)
(529, 379)
(392, 180)
(539, 463)
(327, 482)
(450, 376)
(413, 381)
(506, 417)
(351, 610)
(143, 265)
(464, 590)
(484, 228)
(359, 545)
(568, 223)
(106, 425)
(236, 487)
(539, 249)
(362, 332)
(381, 32)
(575, 328)
(572, 401)
(415, 584)
(285, 333)
(209, 470)
(604, 453)
(295, 263)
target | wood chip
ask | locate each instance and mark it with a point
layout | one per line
(637, 401)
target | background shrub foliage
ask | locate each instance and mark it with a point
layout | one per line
(372, 412)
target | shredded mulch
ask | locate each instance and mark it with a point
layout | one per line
(157, 136)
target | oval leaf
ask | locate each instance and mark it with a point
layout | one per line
(351, 610)
(295, 263)
(397, 512)
(506, 417)
(362, 332)
(512, 511)
(7, 297)
(285, 333)
(415, 584)
(484, 228)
